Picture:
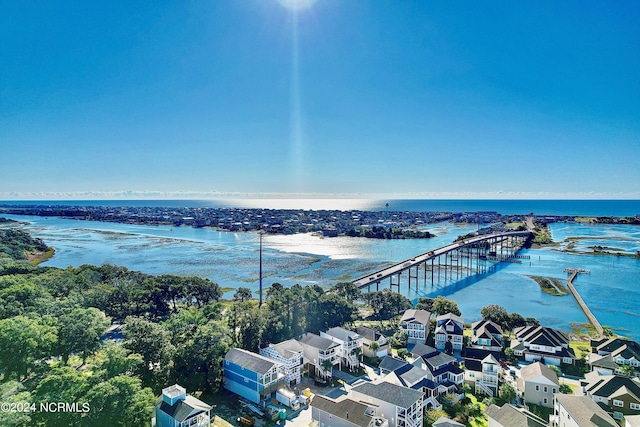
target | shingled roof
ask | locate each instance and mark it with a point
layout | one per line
(248, 360)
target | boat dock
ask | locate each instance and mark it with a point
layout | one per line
(587, 312)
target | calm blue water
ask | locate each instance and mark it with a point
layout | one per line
(539, 207)
(612, 290)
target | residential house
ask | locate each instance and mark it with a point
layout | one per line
(250, 375)
(603, 365)
(175, 408)
(290, 353)
(347, 412)
(350, 345)
(631, 421)
(487, 335)
(316, 350)
(539, 343)
(449, 333)
(510, 416)
(415, 323)
(443, 369)
(481, 370)
(622, 352)
(389, 364)
(401, 406)
(619, 394)
(578, 411)
(537, 384)
(408, 375)
(368, 337)
(446, 422)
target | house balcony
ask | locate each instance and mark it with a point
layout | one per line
(202, 420)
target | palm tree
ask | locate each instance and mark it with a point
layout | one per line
(374, 346)
(327, 367)
(357, 352)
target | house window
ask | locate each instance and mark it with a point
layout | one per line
(618, 403)
(617, 415)
(546, 389)
(635, 406)
(537, 388)
(553, 390)
(545, 400)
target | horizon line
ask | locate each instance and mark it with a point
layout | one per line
(219, 195)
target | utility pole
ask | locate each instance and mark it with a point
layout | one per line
(260, 302)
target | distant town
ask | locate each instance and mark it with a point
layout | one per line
(356, 223)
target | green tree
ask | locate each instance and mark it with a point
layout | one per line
(628, 371)
(242, 294)
(327, 367)
(347, 290)
(433, 415)
(510, 355)
(565, 389)
(374, 346)
(63, 384)
(117, 360)
(119, 401)
(507, 393)
(497, 314)
(23, 341)
(15, 392)
(80, 332)
(153, 343)
(442, 305)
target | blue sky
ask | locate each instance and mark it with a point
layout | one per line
(341, 98)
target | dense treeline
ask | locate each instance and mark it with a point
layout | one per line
(377, 232)
(16, 244)
(172, 329)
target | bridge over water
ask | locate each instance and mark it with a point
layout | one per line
(461, 258)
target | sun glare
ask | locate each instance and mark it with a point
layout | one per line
(296, 4)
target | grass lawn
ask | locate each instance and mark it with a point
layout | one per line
(579, 348)
(481, 421)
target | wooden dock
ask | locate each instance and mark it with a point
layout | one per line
(587, 312)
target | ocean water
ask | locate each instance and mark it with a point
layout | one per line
(517, 207)
(612, 290)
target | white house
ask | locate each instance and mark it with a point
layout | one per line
(578, 411)
(449, 332)
(415, 323)
(349, 341)
(316, 350)
(401, 406)
(290, 354)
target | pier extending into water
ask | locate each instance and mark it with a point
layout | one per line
(473, 255)
(585, 308)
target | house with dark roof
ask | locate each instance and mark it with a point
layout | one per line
(578, 411)
(481, 370)
(345, 413)
(401, 406)
(487, 335)
(537, 384)
(290, 353)
(316, 350)
(617, 394)
(175, 408)
(408, 375)
(416, 323)
(622, 352)
(443, 369)
(539, 343)
(370, 336)
(510, 416)
(449, 333)
(250, 375)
